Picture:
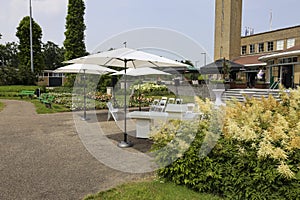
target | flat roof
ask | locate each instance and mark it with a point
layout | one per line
(267, 32)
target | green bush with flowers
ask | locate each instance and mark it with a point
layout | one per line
(143, 93)
(150, 89)
(247, 150)
(95, 100)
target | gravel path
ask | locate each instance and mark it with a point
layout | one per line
(42, 157)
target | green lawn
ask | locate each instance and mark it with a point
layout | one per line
(1, 106)
(42, 109)
(155, 190)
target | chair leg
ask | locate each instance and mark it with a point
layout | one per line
(108, 115)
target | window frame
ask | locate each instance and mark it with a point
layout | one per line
(244, 50)
(290, 43)
(270, 45)
(279, 43)
(261, 47)
(251, 48)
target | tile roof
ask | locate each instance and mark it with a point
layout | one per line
(249, 60)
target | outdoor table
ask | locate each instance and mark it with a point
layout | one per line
(218, 93)
(176, 110)
(144, 120)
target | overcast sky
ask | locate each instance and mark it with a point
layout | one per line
(104, 19)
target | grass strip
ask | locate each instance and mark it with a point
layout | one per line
(155, 190)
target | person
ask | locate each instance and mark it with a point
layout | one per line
(260, 74)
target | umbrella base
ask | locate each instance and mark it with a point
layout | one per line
(124, 144)
(84, 118)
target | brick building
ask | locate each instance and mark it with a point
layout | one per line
(276, 53)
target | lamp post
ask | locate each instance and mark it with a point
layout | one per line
(196, 63)
(204, 53)
(31, 51)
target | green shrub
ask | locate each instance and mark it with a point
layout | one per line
(150, 89)
(252, 152)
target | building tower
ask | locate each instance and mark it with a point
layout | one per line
(228, 23)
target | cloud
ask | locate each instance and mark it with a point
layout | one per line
(50, 7)
(13, 11)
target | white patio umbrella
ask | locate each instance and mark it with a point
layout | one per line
(127, 58)
(85, 69)
(143, 71)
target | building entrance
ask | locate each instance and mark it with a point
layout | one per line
(287, 76)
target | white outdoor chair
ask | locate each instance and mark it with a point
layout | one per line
(154, 104)
(161, 105)
(112, 111)
(178, 101)
(164, 98)
(171, 100)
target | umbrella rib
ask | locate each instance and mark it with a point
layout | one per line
(153, 64)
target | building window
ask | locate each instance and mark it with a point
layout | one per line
(252, 48)
(270, 46)
(244, 50)
(261, 47)
(279, 44)
(290, 43)
(288, 60)
(270, 62)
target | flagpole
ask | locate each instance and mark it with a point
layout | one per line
(271, 19)
(31, 50)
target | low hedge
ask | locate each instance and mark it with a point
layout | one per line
(244, 151)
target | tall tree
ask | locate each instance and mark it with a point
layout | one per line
(53, 55)
(75, 27)
(23, 33)
(11, 54)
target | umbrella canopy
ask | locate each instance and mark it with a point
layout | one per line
(217, 67)
(86, 68)
(141, 72)
(129, 58)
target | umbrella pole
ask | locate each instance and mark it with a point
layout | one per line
(125, 143)
(84, 97)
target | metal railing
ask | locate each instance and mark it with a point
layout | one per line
(275, 84)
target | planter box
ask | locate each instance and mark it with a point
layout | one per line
(262, 85)
(234, 85)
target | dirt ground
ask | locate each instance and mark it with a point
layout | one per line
(42, 156)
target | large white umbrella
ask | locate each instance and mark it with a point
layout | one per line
(84, 69)
(141, 72)
(127, 58)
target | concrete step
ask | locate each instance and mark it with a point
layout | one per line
(257, 93)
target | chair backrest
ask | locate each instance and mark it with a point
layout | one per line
(161, 106)
(171, 100)
(109, 105)
(179, 101)
(164, 98)
(155, 102)
(163, 102)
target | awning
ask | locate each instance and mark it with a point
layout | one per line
(217, 67)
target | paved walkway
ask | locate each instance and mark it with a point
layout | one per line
(42, 157)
